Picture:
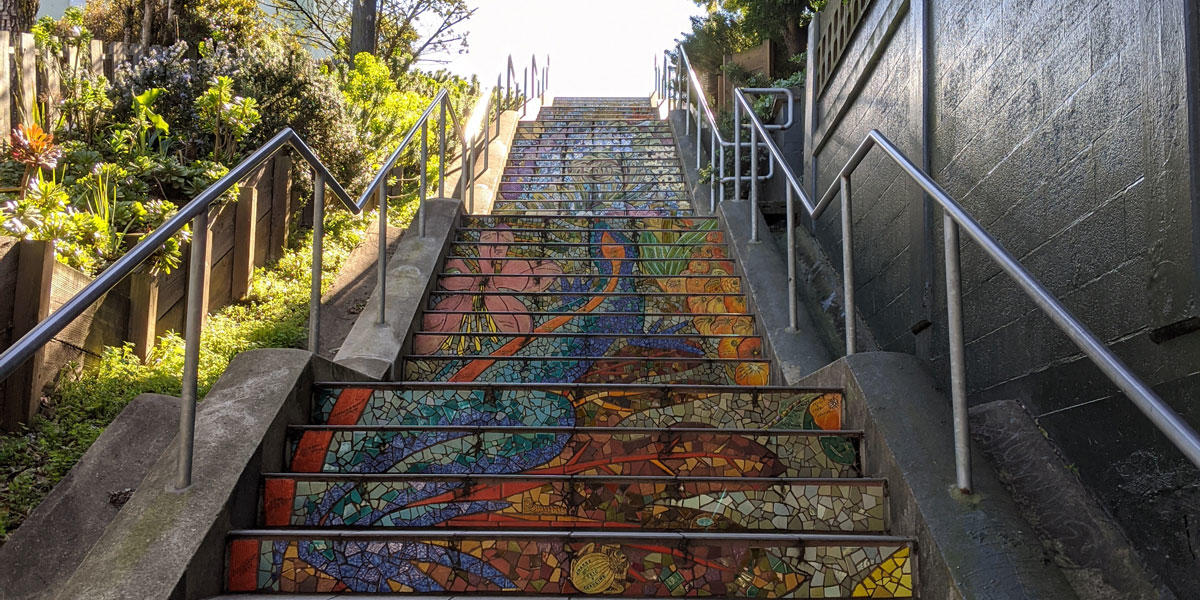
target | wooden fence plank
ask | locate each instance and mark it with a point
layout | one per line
(281, 191)
(96, 56)
(246, 233)
(143, 312)
(28, 71)
(35, 269)
(5, 86)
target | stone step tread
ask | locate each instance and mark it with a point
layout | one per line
(576, 502)
(589, 218)
(691, 451)
(660, 406)
(638, 212)
(682, 302)
(565, 563)
(457, 343)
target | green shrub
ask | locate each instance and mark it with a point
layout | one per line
(274, 314)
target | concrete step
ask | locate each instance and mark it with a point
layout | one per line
(581, 245)
(596, 302)
(648, 406)
(629, 212)
(516, 265)
(548, 277)
(551, 145)
(577, 338)
(660, 368)
(533, 450)
(651, 564)
(585, 222)
(627, 208)
(674, 190)
(593, 177)
(528, 135)
(575, 502)
(683, 233)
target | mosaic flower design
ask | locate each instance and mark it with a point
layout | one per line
(497, 313)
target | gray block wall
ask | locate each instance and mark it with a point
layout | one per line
(1063, 128)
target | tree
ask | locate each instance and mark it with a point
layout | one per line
(407, 31)
(782, 21)
(17, 15)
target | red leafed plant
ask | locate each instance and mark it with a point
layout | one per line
(34, 147)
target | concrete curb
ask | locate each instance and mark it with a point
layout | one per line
(375, 349)
(53, 539)
(796, 352)
(171, 544)
(976, 546)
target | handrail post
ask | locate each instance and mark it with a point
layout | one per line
(381, 268)
(442, 126)
(487, 132)
(714, 178)
(189, 395)
(525, 93)
(753, 184)
(699, 127)
(469, 169)
(958, 369)
(318, 256)
(687, 106)
(499, 106)
(848, 265)
(424, 177)
(721, 176)
(737, 149)
(791, 257)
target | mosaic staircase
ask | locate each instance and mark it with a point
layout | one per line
(585, 410)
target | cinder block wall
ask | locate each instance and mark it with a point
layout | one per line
(1063, 128)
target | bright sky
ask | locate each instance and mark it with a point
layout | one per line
(596, 47)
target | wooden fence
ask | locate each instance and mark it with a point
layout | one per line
(242, 235)
(26, 75)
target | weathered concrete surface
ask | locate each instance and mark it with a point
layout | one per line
(344, 302)
(487, 182)
(796, 352)
(40, 555)
(171, 544)
(974, 547)
(1063, 128)
(372, 348)
(1094, 554)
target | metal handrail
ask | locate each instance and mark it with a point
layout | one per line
(954, 218)
(717, 143)
(197, 213)
(490, 107)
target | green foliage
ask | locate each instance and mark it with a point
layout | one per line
(84, 101)
(227, 116)
(235, 22)
(731, 26)
(273, 315)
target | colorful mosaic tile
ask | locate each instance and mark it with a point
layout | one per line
(582, 406)
(667, 453)
(588, 223)
(591, 271)
(600, 502)
(604, 565)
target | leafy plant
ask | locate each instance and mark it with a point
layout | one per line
(228, 117)
(145, 132)
(35, 148)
